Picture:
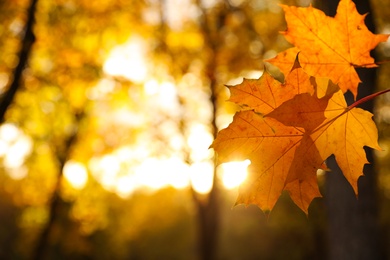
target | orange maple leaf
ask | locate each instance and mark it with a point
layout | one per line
(329, 47)
(343, 133)
(265, 94)
(288, 135)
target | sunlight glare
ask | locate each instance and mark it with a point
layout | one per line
(168, 95)
(126, 185)
(18, 151)
(151, 87)
(118, 172)
(76, 174)
(201, 175)
(158, 173)
(125, 171)
(199, 141)
(149, 174)
(162, 95)
(234, 173)
(128, 61)
(15, 146)
(9, 132)
(105, 170)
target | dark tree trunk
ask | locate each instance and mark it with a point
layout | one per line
(353, 231)
(27, 42)
(208, 215)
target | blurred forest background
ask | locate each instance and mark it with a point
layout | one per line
(104, 148)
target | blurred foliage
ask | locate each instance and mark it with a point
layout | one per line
(381, 12)
(65, 78)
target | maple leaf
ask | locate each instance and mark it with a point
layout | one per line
(265, 94)
(270, 147)
(329, 47)
(291, 130)
(343, 133)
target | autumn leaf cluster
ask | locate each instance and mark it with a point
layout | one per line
(288, 130)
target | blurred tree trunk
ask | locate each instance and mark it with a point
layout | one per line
(27, 42)
(208, 214)
(353, 231)
(207, 206)
(56, 205)
(208, 209)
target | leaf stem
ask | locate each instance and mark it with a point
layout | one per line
(365, 99)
